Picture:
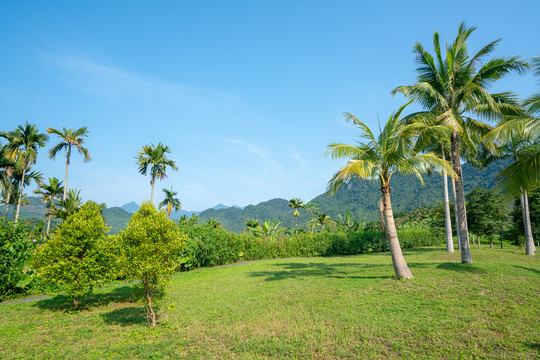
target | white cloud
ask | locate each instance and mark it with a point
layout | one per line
(115, 84)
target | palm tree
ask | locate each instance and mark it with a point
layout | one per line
(457, 90)
(296, 203)
(170, 201)
(69, 138)
(154, 158)
(49, 193)
(7, 163)
(68, 206)
(391, 152)
(520, 135)
(25, 141)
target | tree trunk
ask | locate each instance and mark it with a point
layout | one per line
(7, 201)
(381, 213)
(455, 212)
(153, 181)
(529, 241)
(491, 242)
(21, 191)
(67, 166)
(49, 221)
(478, 238)
(400, 266)
(460, 201)
(447, 220)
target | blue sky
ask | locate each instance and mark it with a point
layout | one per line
(247, 94)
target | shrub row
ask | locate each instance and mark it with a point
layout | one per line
(209, 246)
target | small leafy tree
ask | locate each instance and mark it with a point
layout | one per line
(78, 256)
(152, 244)
(487, 212)
(17, 242)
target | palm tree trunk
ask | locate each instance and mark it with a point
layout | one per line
(65, 178)
(400, 265)
(455, 212)
(381, 213)
(529, 241)
(21, 191)
(7, 201)
(153, 181)
(460, 201)
(49, 221)
(447, 220)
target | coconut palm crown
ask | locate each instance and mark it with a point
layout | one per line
(69, 138)
(153, 159)
(378, 159)
(24, 142)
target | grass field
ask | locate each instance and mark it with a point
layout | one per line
(321, 308)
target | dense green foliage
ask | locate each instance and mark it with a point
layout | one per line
(151, 244)
(17, 243)
(78, 256)
(487, 212)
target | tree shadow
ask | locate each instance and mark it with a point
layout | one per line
(132, 315)
(463, 268)
(533, 345)
(529, 269)
(88, 301)
(294, 270)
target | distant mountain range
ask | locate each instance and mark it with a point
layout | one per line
(359, 197)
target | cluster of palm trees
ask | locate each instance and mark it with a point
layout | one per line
(454, 94)
(19, 155)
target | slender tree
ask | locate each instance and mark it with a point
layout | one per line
(69, 138)
(171, 201)
(457, 89)
(7, 162)
(391, 152)
(49, 193)
(153, 159)
(296, 204)
(25, 141)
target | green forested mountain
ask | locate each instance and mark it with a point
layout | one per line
(234, 218)
(360, 197)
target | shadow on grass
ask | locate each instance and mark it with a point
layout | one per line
(125, 316)
(65, 303)
(533, 345)
(528, 269)
(463, 268)
(293, 270)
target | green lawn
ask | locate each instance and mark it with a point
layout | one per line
(322, 308)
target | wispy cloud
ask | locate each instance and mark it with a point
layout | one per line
(113, 83)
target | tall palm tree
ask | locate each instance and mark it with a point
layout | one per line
(456, 89)
(154, 159)
(296, 204)
(524, 173)
(25, 141)
(49, 193)
(7, 163)
(391, 152)
(69, 138)
(170, 201)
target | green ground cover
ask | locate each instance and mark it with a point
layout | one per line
(324, 308)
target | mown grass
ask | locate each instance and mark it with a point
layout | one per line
(322, 308)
